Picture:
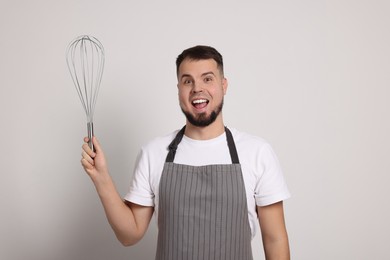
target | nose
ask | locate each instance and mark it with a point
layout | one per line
(196, 87)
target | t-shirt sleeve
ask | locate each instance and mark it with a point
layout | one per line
(140, 191)
(270, 185)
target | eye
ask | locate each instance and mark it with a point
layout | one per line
(187, 81)
(208, 79)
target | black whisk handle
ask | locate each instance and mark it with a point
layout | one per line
(90, 134)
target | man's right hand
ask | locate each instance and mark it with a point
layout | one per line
(94, 163)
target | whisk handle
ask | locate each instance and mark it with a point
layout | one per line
(90, 134)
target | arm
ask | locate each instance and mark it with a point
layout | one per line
(129, 221)
(273, 231)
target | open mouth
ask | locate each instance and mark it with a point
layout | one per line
(200, 103)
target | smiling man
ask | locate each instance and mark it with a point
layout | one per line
(209, 185)
(202, 87)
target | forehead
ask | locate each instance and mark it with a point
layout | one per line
(197, 67)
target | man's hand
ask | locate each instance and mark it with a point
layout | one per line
(94, 163)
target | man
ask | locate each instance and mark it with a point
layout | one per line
(208, 184)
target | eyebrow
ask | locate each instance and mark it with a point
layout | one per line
(207, 73)
(203, 74)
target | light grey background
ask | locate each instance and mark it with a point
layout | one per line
(312, 77)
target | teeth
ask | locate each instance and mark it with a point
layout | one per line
(198, 101)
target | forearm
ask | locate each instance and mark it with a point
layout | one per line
(276, 249)
(119, 215)
(273, 231)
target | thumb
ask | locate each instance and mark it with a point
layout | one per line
(96, 145)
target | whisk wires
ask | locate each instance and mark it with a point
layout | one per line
(85, 60)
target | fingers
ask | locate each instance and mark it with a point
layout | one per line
(95, 143)
(88, 149)
(87, 166)
(87, 158)
(94, 163)
(87, 153)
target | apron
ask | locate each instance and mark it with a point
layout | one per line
(203, 211)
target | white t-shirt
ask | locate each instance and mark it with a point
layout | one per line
(263, 177)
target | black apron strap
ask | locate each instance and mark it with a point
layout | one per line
(173, 145)
(232, 146)
(229, 138)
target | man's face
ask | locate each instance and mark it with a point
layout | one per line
(201, 90)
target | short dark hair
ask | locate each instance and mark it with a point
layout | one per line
(200, 52)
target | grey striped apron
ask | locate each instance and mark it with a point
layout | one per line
(203, 211)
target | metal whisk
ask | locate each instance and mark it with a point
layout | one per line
(85, 59)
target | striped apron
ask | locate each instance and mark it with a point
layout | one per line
(203, 211)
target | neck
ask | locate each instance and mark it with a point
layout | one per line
(206, 132)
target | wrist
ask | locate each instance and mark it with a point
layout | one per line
(102, 182)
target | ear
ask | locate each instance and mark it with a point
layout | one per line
(224, 85)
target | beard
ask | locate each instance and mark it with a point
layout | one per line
(202, 120)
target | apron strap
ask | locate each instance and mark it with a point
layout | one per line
(232, 146)
(179, 136)
(173, 145)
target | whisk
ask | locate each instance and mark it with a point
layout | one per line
(85, 60)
